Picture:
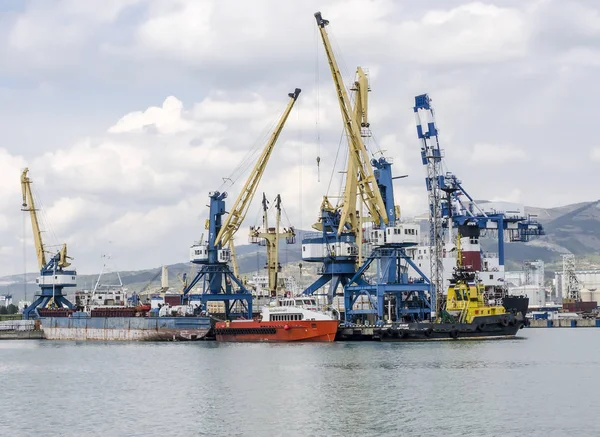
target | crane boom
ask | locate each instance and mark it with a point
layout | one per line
(240, 208)
(350, 214)
(367, 184)
(29, 206)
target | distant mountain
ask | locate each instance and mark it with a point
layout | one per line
(569, 229)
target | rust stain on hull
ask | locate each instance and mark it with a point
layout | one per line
(52, 333)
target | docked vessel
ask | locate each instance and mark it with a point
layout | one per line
(291, 319)
(466, 316)
(121, 324)
(466, 313)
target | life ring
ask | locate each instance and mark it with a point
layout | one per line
(454, 333)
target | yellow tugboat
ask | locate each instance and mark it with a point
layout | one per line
(465, 315)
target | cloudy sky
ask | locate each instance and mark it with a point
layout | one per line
(128, 112)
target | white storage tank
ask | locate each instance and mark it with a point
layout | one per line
(586, 295)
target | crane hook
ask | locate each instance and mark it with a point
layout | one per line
(318, 169)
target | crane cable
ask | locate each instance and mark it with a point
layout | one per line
(24, 259)
(318, 115)
(250, 158)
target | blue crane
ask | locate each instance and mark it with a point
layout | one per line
(54, 275)
(335, 245)
(447, 207)
(213, 256)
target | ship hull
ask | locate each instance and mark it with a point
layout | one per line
(482, 328)
(126, 328)
(517, 304)
(292, 331)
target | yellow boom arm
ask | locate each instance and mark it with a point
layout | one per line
(367, 185)
(28, 205)
(240, 208)
(350, 215)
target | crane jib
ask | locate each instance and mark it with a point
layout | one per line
(240, 208)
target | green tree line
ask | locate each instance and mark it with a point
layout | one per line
(11, 309)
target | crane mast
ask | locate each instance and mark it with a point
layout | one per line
(350, 213)
(240, 207)
(361, 102)
(367, 184)
(270, 236)
(431, 156)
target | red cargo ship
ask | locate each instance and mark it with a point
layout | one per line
(294, 319)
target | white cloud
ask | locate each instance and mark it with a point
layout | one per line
(514, 196)
(142, 187)
(491, 153)
(471, 33)
(10, 169)
(50, 35)
(166, 119)
(192, 32)
(113, 159)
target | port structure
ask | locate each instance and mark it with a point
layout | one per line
(54, 276)
(336, 246)
(448, 210)
(269, 237)
(391, 295)
(213, 255)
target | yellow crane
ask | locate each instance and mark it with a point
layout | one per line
(53, 278)
(366, 182)
(240, 208)
(271, 236)
(361, 102)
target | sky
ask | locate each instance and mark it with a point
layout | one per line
(129, 112)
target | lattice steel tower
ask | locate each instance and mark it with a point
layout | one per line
(570, 283)
(431, 155)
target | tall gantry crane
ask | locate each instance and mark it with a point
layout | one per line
(213, 256)
(371, 181)
(335, 245)
(269, 237)
(451, 206)
(54, 275)
(431, 155)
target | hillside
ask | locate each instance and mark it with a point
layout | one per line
(569, 229)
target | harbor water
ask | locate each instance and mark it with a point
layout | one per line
(545, 383)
